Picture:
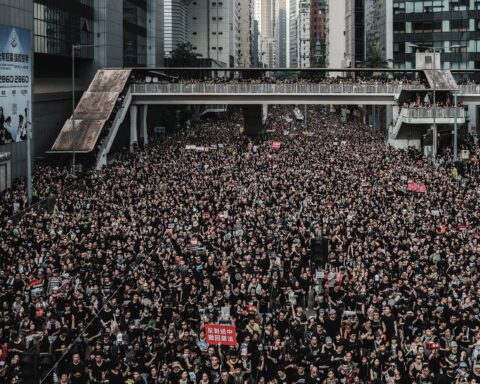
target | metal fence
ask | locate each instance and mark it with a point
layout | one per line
(266, 88)
(430, 113)
(469, 89)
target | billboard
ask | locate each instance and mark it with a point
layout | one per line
(15, 83)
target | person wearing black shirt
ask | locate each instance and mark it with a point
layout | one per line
(77, 370)
(281, 377)
(98, 368)
(300, 376)
(115, 374)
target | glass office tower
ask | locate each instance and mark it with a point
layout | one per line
(439, 24)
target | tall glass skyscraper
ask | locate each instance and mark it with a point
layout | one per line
(438, 24)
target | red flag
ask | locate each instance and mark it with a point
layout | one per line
(276, 144)
(35, 283)
(220, 334)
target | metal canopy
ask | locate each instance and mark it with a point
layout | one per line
(441, 80)
(93, 110)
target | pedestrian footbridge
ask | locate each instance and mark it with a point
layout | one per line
(425, 116)
(114, 93)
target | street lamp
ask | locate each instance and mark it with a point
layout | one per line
(74, 47)
(435, 51)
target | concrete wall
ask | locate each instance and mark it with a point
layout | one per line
(17, 13)
(49, 117)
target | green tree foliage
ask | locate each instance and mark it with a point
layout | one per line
(184, 56)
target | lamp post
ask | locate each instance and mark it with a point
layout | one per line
(74, 47)
(435, 51)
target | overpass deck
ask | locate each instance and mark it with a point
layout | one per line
(267, 93)
(296, 93)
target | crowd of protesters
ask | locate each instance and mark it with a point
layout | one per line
(313, 79)
(47, 181)
(117, 281)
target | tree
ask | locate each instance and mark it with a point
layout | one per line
(184, 55)
(375, 58)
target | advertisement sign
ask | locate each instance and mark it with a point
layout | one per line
(220, 334)
(15, 83)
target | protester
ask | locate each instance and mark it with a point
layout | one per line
(117, 281)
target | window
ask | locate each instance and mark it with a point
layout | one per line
(398, 27)
(460, 25)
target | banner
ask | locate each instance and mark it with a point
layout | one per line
(15, 83)
(221, 334)
(414, 187)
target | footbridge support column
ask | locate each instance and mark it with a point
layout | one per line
(133, 127)
(253, 117)
(143, 126)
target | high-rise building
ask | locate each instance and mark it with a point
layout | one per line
(111, 33)
(440, 25)
(292, 42)
(264, 15)
(175, 24)
(378, 27)
(281, 33)
(304, 33)
(318, 43)
(214, 30)
(298, 45)
(245, 26)
(336, 49)
(354, 33)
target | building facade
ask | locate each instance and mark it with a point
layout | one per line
(304, 33)
(437, 24)
(110, 33)
(379, 27)
(264, 14)
(214, 30)
(281, 33)
(245, 25)
(292, 41)
(354, 33)
(318, 43)
(335, 31)
(175, 24)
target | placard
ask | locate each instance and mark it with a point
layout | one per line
(276, 144)
(221, 334)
